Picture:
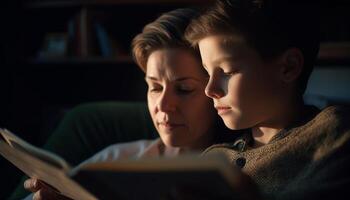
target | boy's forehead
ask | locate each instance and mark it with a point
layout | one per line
(227, 42)
(219, 45)
(233, 41)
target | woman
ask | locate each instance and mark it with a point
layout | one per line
(181, 113)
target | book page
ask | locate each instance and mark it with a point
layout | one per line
(46, 156)
(51, 175)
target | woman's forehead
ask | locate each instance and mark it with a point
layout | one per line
(173, 64)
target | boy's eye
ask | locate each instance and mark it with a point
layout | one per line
(230, 73)
(155, 89)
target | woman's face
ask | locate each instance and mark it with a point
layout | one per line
(181, 113)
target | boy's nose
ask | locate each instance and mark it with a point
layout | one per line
(214, 89)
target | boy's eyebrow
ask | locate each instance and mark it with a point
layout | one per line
(221, 60)
(151, 78)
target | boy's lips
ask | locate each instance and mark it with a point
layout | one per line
(222, 109)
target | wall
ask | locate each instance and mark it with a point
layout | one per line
(329, 85)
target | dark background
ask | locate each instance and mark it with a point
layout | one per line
(35, 93)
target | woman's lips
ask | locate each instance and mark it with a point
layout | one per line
(223, 109)
(170, 126)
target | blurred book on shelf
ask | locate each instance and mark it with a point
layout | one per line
(84, 37)
(54, 46)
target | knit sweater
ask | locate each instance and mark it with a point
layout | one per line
(308, 160)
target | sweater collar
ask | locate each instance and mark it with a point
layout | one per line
(245, 140)
(308, 113)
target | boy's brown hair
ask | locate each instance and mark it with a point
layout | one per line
(269, 26)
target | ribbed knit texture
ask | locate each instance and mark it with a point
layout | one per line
(308, 161)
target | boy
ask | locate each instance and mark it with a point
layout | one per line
(259, 55)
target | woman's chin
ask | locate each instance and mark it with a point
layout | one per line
(172, 142)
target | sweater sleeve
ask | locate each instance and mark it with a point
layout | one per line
(327, 177)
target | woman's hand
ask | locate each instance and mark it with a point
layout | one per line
(43, 191)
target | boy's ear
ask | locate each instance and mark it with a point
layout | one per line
(292, 62)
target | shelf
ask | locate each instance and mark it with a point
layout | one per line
(334, 53)
(335, 50)
(79, 3)
(331, 53)
(80, 61)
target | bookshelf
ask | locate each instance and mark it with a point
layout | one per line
(76, 61)
(56, 60)
(79, 3)
(121, 20)
(89, 31)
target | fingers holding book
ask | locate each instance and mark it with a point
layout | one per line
(43, 191)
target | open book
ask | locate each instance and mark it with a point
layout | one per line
(145, 178)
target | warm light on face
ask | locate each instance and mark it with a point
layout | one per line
(242, 86)
(181, 112)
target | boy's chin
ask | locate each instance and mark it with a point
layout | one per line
(235, 124)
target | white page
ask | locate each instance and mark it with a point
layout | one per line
(51, 175)
(41, 154)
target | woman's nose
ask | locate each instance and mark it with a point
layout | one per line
(214, 89)
(167, 101)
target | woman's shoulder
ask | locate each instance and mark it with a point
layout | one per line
(132, 145)
(133, 149)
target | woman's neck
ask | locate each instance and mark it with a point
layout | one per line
(201, 144)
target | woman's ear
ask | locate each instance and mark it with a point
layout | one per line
(292, 62)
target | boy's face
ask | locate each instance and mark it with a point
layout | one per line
(246, 90)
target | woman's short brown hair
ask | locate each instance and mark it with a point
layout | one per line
(269, 26)
(165, 32)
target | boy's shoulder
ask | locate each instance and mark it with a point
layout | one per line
(333, 117)
(330, 127)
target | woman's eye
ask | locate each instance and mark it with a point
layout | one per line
(185, 90)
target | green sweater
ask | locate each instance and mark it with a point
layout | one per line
(309, 160)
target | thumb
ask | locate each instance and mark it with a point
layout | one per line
(32, 185)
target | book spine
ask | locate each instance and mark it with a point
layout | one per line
(103, 40)
(84, 39)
